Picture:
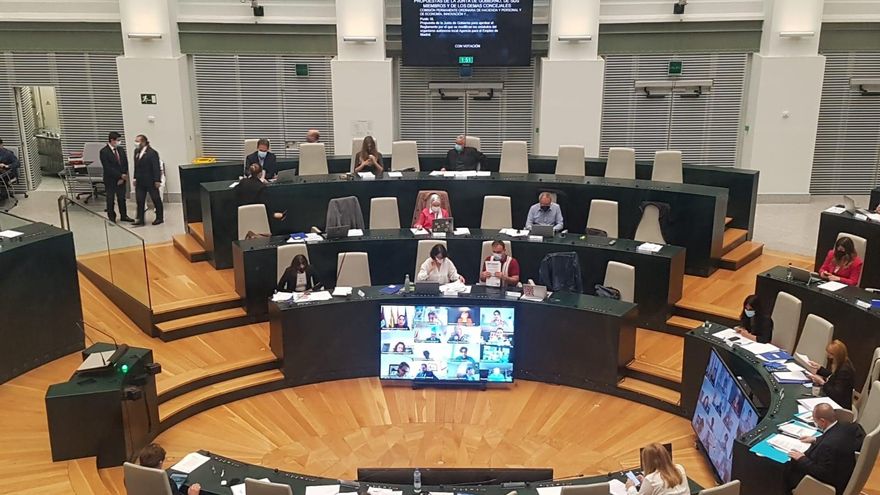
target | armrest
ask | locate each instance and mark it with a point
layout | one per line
(812, 486)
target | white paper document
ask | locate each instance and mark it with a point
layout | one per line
(436, 173)
(462, 231)
(810, 403)
(96, 360)
(313, 237)
(281, 296)
(367, 175)
(617, 487)
(514, 232)
(304, 297)
(759, 348)
(233, 185)
(355, 233)
(726, 334)
(373, 490)
(649, 247)
(483, 173)
(291, 240)
(837, 210)
(394, 175)
(10, 234)
(190, 462)
(550, 490)
(797, 430)
(832, 286)
(455, 288)
(785, 443)
(419, 231)
(322, 490)
(802, 359)
(342, 291)
(493, 267)
(791, 376)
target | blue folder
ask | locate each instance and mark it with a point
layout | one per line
(764, 449)
(776, 356)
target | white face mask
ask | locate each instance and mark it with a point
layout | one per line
(435, 209)
(497, 257)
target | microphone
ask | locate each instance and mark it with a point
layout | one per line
(118, 350)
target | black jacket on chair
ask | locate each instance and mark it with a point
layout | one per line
(113, 169)
(561, 271)
(270, 163)
(146, 168)
(831, 459)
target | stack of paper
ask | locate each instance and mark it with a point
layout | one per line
(837, 210)
(419, 231)
(483, 173)
(355, 233)
(281, 296)
(514, 232)
(436, 173)
(455, 288)
(810, 403)
(304, 297)
(233, 185)
(373, 490)
(796, 429)
(790, 377)
(322, 490)
(759, 348)
(785, 443)
(649, 247)
(617, 487)
(292, 240)
(313, 237)
(9, 234)
(832, 286)
(342, 292)
(190, 462)
(367, 175)
(462, 231)
(394, 175)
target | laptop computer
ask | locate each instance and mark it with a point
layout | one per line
(805, 276)
(542, 230)
(446, 225)
(339, 232)
(849, 204)
(428, 288)
(534, 292)
(286, 176)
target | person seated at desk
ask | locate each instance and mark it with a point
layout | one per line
(153, 456)
(463, 157)
(313, 136)
(842, 263)
(399, 348)
(754, 322)
(433, 339)
(463, 356)
(430, 213)
(299, 277)
(496, 376)
(426, 374)
(252, 190)
(458, 336)
(9, 166)
(509, 273)
(545, 212)
(439, 268)
(264, 158)
(661, 477)
(838, 379)
(831, 457)
(368, 158)
(402, 370)
(498, 337)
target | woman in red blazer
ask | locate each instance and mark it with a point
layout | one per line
(842, 263)
(430, 213)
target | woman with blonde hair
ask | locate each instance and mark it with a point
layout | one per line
(838, 378)
(662, 477)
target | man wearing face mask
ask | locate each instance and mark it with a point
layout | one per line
(147, 179)
(545, 212)
(265, 158)
(430, 213)
(463, 157)
(509, 274)
(114, 161)
(299, 277)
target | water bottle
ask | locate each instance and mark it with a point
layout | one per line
(788, 273)
(417, 480)
(407, 284)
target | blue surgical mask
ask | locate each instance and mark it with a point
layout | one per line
(262, 154)
(750, 313)
(459, 148)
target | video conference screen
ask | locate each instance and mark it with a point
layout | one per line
(465, 344)
(466, 32)
(723, 413)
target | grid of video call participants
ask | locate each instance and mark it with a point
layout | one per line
(722, 414)
(446, 343)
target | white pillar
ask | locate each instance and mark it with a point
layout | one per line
(156, 66)
(362, 76)
(572, 80)
(784, 94)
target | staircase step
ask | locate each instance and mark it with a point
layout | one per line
(683, 323)
(704, 311)
(195, 306)
(206, 394)
(84, 477)
(733, 238)
(197, 230)
(727, 220)
(741, 255)
(649, 389)
(190, 247)
(202, 323)
(656, 370)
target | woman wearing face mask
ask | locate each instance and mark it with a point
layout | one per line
(439, 268)
(837, 379)
(430, 213)
(368, 158)
(842, 263)
(754, 323)
(509, 274)
(299, 277)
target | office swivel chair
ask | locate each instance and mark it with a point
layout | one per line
(140, 480)
(514, 157)
(603, 216)
(621, 163)
(571, 161)
(252, 218)
(404, 155)
(384, 213)
(258, 487)
(815, 337)
(729, 488)
(667, 166)
(353, 270)
(496, 213)
(786, 317)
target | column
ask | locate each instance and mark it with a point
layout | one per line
(784, 93)
(362, 76)
(153, 65)
(572, 79)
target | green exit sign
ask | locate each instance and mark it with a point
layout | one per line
(302, 70)
(675, 68)
(149, 99)
(465, 60)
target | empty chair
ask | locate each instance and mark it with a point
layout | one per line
(345, 211)
(815, 337)
(496, 213)
(250, 146)
(786, 317)
(603, 216)
(422, 203)
(472, 142)
(424, 250)
(592, 489)
(487, 249)
(621, 163)
(864, 464)
(285, 256)
(623, 278)
(571, 160)
(312, 159)
(404, 154)
(649, 226)
(141, 480)
(729, 488)
(667, 166)
(870, 415)
(873, 375)
(514, 157)
(384, 213)
(353, 270)
(257, 487)
(252, 218)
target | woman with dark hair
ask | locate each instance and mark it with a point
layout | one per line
(842, 263)
(754, 322)
(438, 267)
(299, 277)
(400, 348)
(368, 158)
(838, 378)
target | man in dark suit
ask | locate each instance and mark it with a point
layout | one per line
(115, 164)
(463, 157)
(265, 158)
(252, 190)
(831, 457)
(9, 166)
(147, 179)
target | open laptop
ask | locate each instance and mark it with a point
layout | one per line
(339, 232)
(542, 230)
(286, 176)
(804, 276)
(446, 225)
(534, 292)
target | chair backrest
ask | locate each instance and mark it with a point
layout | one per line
(603, 216)
(404, 154)
(424, 250)
(356, 144)
(514, 157)
(384, 213)
(353, 270)
(140, 480)
(861, 245)
(91, 153)
(786, 318)
(865, 463)
(571, 160)
(285, 256)
(870, 415)
(345, 211)
(312, 159)
(496, 213)
(422, 203)
(815, 337)
(729, 488)
(487, 250)
(649, 226)
(623, 278)
(258, 487)
(250, 145)
(667, 166)
(621, 163)
(873, 375)
(472, 142)
(252, 218)
(592, 489)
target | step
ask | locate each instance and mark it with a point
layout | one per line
(84, 477)
(650, 390)
(195, 306)
(205, 395)
(741, 255)
(197, 230)
(190, 247)
(727, 221)
(655, 370)
(701, 311)
(733, 238)
(683, 323)
(196, 378)
(202, 323)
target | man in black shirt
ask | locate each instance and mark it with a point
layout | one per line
(9, 166)
(252, 190)
(153, 456)
(463, 157)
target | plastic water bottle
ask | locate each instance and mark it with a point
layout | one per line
(407, 284)
(788, 273)
(417, 478)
